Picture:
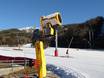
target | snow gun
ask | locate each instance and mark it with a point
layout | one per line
(49, 25)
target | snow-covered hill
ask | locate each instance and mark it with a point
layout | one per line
(28, 28)
(81, 63)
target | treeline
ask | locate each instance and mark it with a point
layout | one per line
(89, 34)
(13, 37)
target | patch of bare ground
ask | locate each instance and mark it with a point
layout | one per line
(21, 72)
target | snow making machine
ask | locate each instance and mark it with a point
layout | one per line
(49, 27)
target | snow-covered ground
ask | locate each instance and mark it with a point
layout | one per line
(80, 63)
(87, 62)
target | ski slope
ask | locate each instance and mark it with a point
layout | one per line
(81, 63)
(85, 62)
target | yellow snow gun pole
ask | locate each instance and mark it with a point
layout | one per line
(40, 59)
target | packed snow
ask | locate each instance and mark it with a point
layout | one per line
(80, 63)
